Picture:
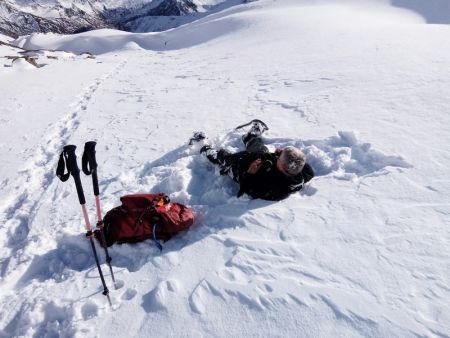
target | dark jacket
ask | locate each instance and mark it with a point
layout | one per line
(268, 182)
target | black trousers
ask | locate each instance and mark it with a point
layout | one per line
(229, 162)
(254, 144)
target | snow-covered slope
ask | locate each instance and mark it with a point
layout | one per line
(5, 38)
(361, 87)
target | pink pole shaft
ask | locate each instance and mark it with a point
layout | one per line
(86, 217)
(99, 212)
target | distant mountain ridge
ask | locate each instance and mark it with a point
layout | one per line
(23, 17)
(15, 21)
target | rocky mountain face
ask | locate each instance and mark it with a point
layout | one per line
(173, 8)
(159, 16)
(17, 19)
(23, 17)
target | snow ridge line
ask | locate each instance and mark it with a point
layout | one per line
(18, 213)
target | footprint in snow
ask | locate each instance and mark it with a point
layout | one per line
(155, 300)
(89, 310)
(129, 294)
(119, 284)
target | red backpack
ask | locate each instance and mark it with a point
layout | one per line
(145, 216)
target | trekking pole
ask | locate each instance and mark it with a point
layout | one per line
(89, 166)
(68, 160)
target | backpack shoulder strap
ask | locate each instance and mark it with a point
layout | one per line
(154, 237)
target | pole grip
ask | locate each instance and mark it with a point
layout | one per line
(72, 166)
(90, 164)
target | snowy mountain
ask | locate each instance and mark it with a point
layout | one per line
(22, 17)
(160, 15)
(360, 86)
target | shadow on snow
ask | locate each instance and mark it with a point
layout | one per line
(434, 11)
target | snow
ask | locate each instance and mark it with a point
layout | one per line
(5, 38)
(360, 87)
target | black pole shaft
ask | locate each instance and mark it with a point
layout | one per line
(108, 257)
(105, 288)
(72, 166)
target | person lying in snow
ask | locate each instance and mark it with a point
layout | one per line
(260, 173)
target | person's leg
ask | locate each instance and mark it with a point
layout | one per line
(222, 158)
(252, 140)
(254, 144)
(210, 153)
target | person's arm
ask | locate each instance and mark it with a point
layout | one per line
(307, 173)
(250, 166)
(262, 180)
(299, 181)
(254, 166)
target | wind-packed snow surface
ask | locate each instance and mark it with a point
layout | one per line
(360, 87)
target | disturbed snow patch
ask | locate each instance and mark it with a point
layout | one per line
(344, 157)
(188, 177)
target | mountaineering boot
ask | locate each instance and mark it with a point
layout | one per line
(222, 158)
(262, 126)
(258, 127)
(210, 153)
(197, 137)
(205, 148)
